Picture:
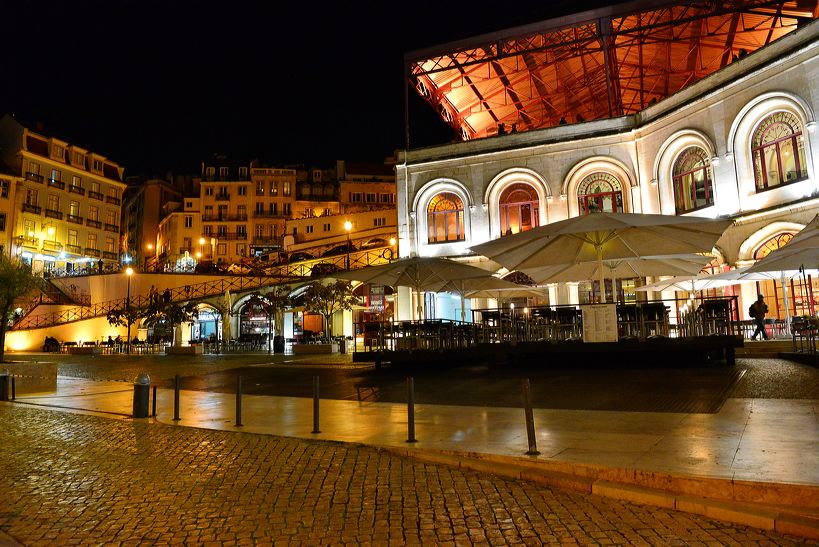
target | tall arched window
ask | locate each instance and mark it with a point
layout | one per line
(600, 193)
(691, 177)
(445, 218)
(778, 150)
(519, 209)
(772, 244)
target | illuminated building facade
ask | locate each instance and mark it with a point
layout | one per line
(146, 202)
(604, 111)
(67, 201)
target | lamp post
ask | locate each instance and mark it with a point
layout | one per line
(128, 272)
(201, 247)
(150, 248)
(347, 227)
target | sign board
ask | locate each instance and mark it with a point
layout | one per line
(600, 323)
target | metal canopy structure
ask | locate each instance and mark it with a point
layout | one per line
(603, 63)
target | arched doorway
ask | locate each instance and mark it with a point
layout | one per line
(208, 325)
(519, 209)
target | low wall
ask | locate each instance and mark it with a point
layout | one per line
(89, 330)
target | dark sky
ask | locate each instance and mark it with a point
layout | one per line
(160, 85)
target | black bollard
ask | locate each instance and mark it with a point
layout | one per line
(411, 410)
(4, 384)
(142, 387)
(239, 401)
(154, 400)
(530, 419)
(13, 389)
(316, 405)
(176, 398)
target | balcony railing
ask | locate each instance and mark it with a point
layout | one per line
(112, 199)
(263, 240)
(34, 177)
(224, 218)
(93, 223)
(228, 236)
(111, 228)
(95, 195)
(77, 190)
(74, 249)
(74, 218)
(52, 246)
(92, 252)
(31, 208)
(56, 183)
(24, 241)
(51, 213)
(267, 214)
(222, 197)
(110, 255)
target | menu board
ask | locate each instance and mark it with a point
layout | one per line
(600, 323)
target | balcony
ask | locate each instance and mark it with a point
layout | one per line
(110, 255)
(76, 190)
(31, 208)
(267, 214)
(52, 246)
(74, 249)
(111, 228)
(95, 195)
(92, 252)
(56, 184)
(51, 213)
(112, 199)
(264, 240)
(32, 242)
(222, 197)
(74, 218)
(229, 236)
(93, 223)
(34, 177)
(224, 218)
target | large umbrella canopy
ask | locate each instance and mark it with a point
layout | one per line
(468, 287)
(603, 236)
(800, 252)
(420, 273)
(623, 268)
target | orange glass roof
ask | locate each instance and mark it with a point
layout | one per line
(603, 63)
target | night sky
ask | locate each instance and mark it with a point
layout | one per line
(160, 85)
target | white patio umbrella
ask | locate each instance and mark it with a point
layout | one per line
(470, 287)
(600, 237)
(419, 273)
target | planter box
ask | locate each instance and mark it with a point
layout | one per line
(185, 350)
(306, 349)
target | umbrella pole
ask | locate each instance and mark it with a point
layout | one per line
(463, 310)
(602, 274)
(785, 300)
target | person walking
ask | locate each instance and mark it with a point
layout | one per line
(758, 310)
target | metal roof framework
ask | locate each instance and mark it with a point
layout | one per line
(598, 64)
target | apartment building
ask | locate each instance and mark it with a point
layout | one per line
(146, 202)
(178, 237)
(67, 200)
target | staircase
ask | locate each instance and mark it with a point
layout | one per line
(769, 349)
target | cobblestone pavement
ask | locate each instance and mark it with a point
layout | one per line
(78, 479)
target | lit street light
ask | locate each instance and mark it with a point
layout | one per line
(347, 227)
(129, 272)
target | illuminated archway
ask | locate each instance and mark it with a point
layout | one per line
(419, 215)
(581, 173)
(500, 190)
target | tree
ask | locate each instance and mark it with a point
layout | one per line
(16, 280)
(328, 299)
(172, 315)
(277, 300)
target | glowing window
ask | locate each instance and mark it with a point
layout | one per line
(598, 193)
(778, 151)
(519, 209)
(691, 176)
(772, 244)
(445, 218)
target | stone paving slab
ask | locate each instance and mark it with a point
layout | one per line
(71, 478)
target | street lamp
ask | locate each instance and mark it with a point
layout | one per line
(129, 272)
(347, 227)
(150, 247)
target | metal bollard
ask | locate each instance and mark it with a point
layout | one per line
(142, 389)
(13, 388)
(411, 410)
(239, 401)
(530, 419)
(4, 384)
(176, 398)
(316, 405)
(154, 401)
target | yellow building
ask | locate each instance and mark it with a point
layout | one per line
(67, 201)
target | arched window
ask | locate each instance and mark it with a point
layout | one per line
(691, 177)
(445, 218)
(519, 209)
(778, 150)
(772, 244)
(599, 193)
